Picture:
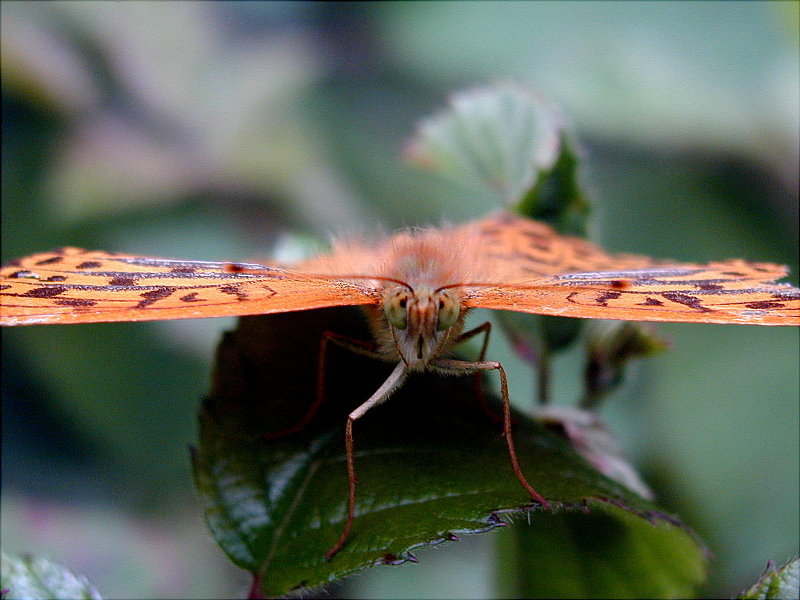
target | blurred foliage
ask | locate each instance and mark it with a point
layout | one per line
(606, 553)
(208, 130)
(29, 578)
(780, 583)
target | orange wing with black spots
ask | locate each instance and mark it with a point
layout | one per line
(540, 271)
(76, 286)
(521, 265)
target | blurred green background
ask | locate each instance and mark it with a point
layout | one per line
(229, 131)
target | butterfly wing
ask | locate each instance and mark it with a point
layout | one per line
(539, 271)
(526, 267)
(518, 250)
(76, 286)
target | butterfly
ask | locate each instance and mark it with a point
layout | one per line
(416, 286)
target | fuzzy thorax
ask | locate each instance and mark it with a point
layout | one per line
(420, 316)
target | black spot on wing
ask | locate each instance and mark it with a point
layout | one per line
(50, 261)
(45, 292)
(75, 302)
(123, 280)
(765, 304)
(234, 290)
(242, 294)
(687, 300)
(89, 264)
(651, 302)
(603, 298)
(153, 296)
(709, 286)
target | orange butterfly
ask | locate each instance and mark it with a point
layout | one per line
(417, 288)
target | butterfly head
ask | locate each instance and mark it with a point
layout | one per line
(422, 321)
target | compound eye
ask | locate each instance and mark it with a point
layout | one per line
(449, 311)
(394, 307)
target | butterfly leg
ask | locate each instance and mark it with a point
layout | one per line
(460, 366)
(486, 329)
(468, 335)
(394, 381)
(357, 346)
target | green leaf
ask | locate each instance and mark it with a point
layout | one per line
(780, 583)
(31, 577)
(497, 138)
(557, 196)
(508, 141)
(430, 462)
(605, 552)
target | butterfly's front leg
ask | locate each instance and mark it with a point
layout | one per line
(485, 328)
(392, 383)
(468, 335)
(462, 366)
